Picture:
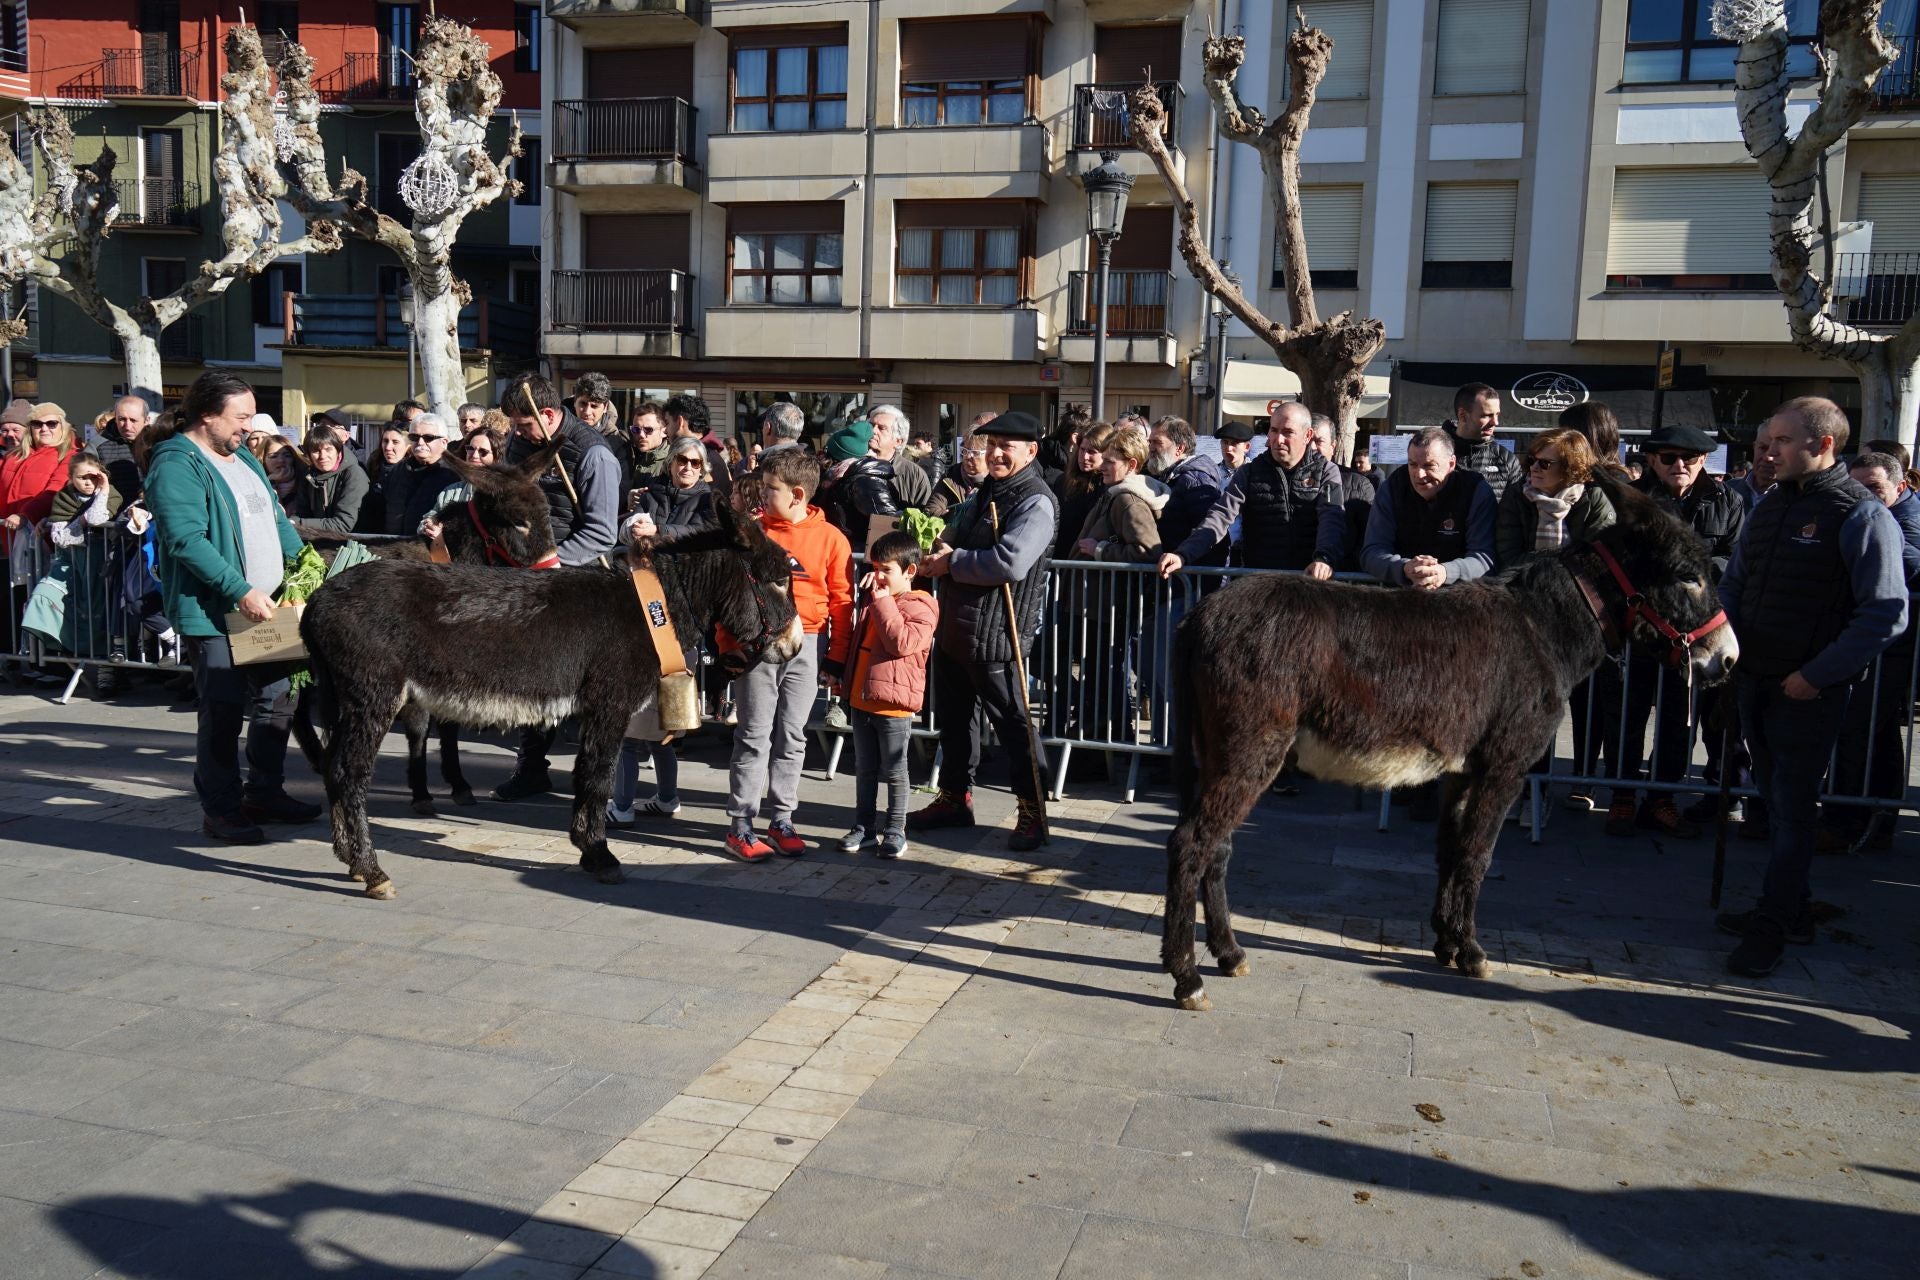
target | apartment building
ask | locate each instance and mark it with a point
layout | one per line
(850, 203)
(143, 77)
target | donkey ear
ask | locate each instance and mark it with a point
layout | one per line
(741, 533)
(461, 467)
(537, 465)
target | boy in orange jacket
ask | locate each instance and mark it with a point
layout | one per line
(774, 699)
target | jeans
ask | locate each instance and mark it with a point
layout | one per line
(773, 701)
(256, 696)
(960, 687)
(880, 751)
(1791, 742)
(666, 773)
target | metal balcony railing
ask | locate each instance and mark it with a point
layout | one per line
(624, 129)
(135, 73)
(569, 10)
(370, 77)
(624, 301)
(1885, 287)
(1898, 88)
(1136, 302)
(160, 203)
(372, 321)
(1103, 118)
(182, 342)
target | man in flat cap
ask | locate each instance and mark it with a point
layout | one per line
(1236, 442)
(994, 556)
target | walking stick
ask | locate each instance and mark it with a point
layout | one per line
(1727, 770)
(1020, 671)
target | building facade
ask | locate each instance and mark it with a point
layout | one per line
(142, 76)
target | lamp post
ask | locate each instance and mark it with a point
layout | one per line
(1107, 187)
(406, 318)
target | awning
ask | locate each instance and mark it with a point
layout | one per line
(1254, 387)
(1533, 396)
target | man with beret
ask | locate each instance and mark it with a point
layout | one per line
(994, 549)
(1236, 441)
(1675, 478)
(857, 489)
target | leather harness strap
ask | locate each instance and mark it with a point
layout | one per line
(1679, 642)
(437, 550)
(653, 607)
(494, 550)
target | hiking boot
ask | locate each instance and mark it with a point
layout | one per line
(891, 845)
(522, 784)
(949, 809)
(1620, 816)
(787, 842)
(746, 846)
(1029, 827)
(618, 818)
(1759, 953)
(1659, 814)
(233, 828)
(1706, 810)
(856, 839)
(1742, 923)
(1757, 826)
(278, 808)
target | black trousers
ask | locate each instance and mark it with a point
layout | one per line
(256, 696)
(959, 688)
(535, 741)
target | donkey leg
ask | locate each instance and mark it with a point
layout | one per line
(450, 770)
(355, 746)
(306, 735)
(414, 721)
(1470, 817)
(592, 783)
(1186, 856)
(1197, 855)
(1220, 940)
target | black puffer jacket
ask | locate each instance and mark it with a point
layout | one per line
(851, 498)
(1714, 512)
(675, 511)
(412, 491)
(1486, 458)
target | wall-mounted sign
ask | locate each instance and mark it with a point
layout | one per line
(1549, 392)
(1051, 372)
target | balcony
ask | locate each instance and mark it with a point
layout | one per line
(182, 342)
(160, 204)
(370, 77)
(138, 73)
(599, 14)
(958, 333)
(1898, 88)
(1137, 330)
(1103, 120)
(368, 321)
(620, 142)
(621, 312)
(1883, 288)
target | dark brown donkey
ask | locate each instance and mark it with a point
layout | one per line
(1380, 687)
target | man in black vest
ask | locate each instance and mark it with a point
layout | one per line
(583, 500)
(1476, 416)
(1357, 486)
(999, 539)
(1815, 592)
(1288, 501)
(1432, 521)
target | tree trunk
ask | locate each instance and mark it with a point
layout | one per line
(142, 347)
(436, 328)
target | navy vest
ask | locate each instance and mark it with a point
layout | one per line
(973, 619)
(1437, 528)
(1796, 593)
(1280, 520)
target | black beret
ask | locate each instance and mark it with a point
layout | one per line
(1236, 431)
(1682, 438)
(1013, 426)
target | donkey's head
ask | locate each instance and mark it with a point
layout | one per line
(1657, 580)
(732, 575)
(508, 522)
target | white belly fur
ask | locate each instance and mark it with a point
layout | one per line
(491, 711)
(1377, 770)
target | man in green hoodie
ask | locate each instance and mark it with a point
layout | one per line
(222, 546)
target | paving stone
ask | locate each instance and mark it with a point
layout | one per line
(53, 967)
(693, 1230)
(59, 1020)
(722, 1199)
(797, 1124)
(1180, 1190)
(513, 1266)
(898, 1148)
(743, 1171)
(1109, 1247)
(552, 1242)
(520, 944)
(190, 1040)
(46, 1081)
(433, 1019)
(598, 1042)
(80, 1243)
(46, 1156)
(769, 975)
(705, 1111)
(1295, 1040)
(165, 1100)
(757, 1259)
(612, 1105)
(1589, 1075)
(598, 995)
(652, 1259)
(622, 1184)
(1062, 1108)
(188, 986)
(590, 1212)
(1248, 1078)
(961, 1042)
(779, 1148)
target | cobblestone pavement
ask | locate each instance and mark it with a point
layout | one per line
(227, 1063)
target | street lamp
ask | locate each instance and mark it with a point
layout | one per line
(406, 318)
(1107, 187)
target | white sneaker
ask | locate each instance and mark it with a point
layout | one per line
(618, 817)
(855, 840)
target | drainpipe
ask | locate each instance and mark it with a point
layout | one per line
(867, 204)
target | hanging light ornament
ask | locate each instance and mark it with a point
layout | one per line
(428, 185)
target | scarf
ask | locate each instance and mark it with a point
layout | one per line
(1550, 515)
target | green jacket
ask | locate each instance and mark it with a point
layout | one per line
(199, 558)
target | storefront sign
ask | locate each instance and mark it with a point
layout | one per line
(1549, 392)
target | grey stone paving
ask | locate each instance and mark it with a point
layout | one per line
(222, 1062)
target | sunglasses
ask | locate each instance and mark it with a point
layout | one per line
(1550, 464)
(47, 424)
(417, 437)
(1668, 459)
(689, 462)
(478, 450)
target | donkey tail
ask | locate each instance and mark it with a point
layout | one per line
(1181, 723)
(315, 713)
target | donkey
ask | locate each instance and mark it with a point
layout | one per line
(505, 524)
(1395, 688)
(569, 642)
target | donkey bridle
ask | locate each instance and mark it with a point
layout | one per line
(1679, 643)
(496, 552)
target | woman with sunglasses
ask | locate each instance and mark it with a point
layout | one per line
(482, 448)
(34, 472)
(1556, 504)
(328, 497)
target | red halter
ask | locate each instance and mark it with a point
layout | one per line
(1679, 642)
(498, 553)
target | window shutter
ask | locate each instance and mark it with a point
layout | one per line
(1692, 221)
(1470, 221)
(749, 219)
(664, 71)
(1331, 218)
(1125, 55)
(941, 51)
(635, 241)
(960, 213)
(1891, 202)
(787, 37)
(1481, 47)
(1350, 74)
(1147, 242)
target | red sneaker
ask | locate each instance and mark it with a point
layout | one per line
(787, 842)
(746, 846)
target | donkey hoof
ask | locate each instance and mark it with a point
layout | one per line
(383, 890)
(1195, 1003)
(464, 796)
(1474, 966)
(356, 877)
(1445, 955)
(424, 808)
(611, 873)
(1234, 967)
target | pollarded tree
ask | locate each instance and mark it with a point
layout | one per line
(456, 96)
(1329, 356)
(1853, 53)
(57, 238)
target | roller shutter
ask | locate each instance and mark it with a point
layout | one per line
(1891, 202)
(1125, 55)
(941, 51)
(1691, 221)
(1470, 221)
(1330, 215)
(1349, 75)
(1481, 47)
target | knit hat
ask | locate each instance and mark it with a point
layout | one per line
(18, 412)
(264, 422)
(850, 441)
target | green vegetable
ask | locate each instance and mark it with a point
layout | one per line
(923, 527)
(304, 574)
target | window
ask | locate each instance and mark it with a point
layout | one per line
(399, 37)
(1330, 216)
(393, 152)
(1350, 73)
(162, 161)
(1670, 41)
(279, 26)
(161, 276)
(13, 35)
(1469, 240)
(964, 254)
(526, 37)
(270, 289)
(957, 72)
(527, 169)
(785, 255)
(790, 79)
(1481, 47)
(1689, 228)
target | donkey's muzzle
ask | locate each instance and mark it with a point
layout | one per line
(1714, 655)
